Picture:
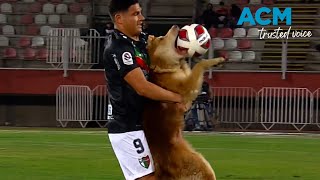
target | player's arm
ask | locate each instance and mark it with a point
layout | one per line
(136, 79)
(133, 75)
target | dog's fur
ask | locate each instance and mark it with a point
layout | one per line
(173, 156)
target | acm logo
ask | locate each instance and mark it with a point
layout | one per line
(247, 16)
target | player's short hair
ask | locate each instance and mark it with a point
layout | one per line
(116, 6)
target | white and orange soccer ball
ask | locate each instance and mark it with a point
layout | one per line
(195, 39)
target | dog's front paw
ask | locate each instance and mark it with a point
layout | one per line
(221, 59)
(212, 62)
(195, 92)
(218, 60)
(191, 95)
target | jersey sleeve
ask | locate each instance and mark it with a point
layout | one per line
(124, 59)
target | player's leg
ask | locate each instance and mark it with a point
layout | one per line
(133, 154)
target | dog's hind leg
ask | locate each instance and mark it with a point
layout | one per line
(195, 80)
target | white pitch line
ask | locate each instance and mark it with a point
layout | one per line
(54, 132)
(280, 134)
(100, 146)
(186, 133)
(23, 156)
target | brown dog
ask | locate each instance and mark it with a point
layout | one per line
(174, 158)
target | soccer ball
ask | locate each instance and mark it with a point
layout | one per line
(195, 39)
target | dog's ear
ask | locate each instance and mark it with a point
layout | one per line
(151, 38)
(148, 45)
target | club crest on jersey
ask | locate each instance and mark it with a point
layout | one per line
(145, 162)
(127, 58)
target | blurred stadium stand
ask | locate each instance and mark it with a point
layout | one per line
(25, 26)
(47, 44)
(34, 19)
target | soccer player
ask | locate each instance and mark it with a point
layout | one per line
(126, 69)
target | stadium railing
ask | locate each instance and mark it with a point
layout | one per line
(235, 105)
(285, 106)
(100, 104)
(82, 105)
(316, 105)
(66, 47)
(242, 106)
(74, 104)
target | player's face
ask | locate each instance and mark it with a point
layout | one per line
(133, 20)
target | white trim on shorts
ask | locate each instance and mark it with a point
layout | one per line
(130, 155)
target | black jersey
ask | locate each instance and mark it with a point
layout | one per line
(121, 55)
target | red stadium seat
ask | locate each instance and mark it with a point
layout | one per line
(223, 54)
(213, 32)
(244, 44)
(32, 30)
(42, 54)
(56, 1)
(75, 8)
(254, 9)
(10, 53)
(29, 54)
(24, 42)
(26, 19)
(226, 33)
(242, 2)
(35, 8)
(268, 2)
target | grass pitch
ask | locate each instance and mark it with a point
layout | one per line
(69, 154)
